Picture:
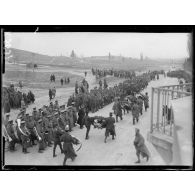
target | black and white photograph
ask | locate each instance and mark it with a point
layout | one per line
(73, 99)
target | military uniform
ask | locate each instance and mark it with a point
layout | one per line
(117, 110)
(11, 133)
(35, 115)
(68, 149)
(88, 122)
(24, 137)
(110, 128)
(81, 115)
(40, 135)
(57, 134)
(140, 104)
(30, 124)
(74, 111)
(46, 131)
(135, 112)
(146, 102)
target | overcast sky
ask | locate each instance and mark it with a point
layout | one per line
(153, 45)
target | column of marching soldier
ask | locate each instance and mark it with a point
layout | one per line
(50, 124)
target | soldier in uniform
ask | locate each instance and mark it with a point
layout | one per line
(68, 149)
(55, 119)
(11, 133)
(76, 88)
(81, 115)
(70, 118)
(146, 101)
(74, 112)
(110, 128)
(88, 121)
(105, 84)
(40, 113)
(117, 110)
(140, 104)
(24, 137)
(57, 134)
(30, 124)
(61, 120)
(135, 112)
(50, 107)
(35, 115)
(46, 130)
(50, 94)
(40, 135)
(50, 128)
(140, 146)
(100, 83)
(6, 104)
(56, 105)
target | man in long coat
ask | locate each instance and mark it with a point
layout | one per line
(135, 112)
(88, 121)
(117, 110)
(140, 104)
(40, 135)
(110, 128)
(140, 146)
(68, 149)
(81, 115)
(57, 134)
(11, 133)
(30, 124)
(146, 101)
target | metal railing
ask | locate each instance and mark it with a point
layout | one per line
(161, 111)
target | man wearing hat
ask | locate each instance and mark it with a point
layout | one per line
(68, 149)
(81, 115)
(140, 104)
(61, 120)
(70, 118)
(74, 112)
(135, 112)
(88, 122)
(30, 124)
(46, 130)
(24, 134)
(50, 128)
(56, 105)
(117, 109)
(35, 115)
(40, 113)
(55, 119)
(146, 101)
(11, 133)
(140, 146)
(50, 108)
(57, 132)
(40, 135)
(110, 127)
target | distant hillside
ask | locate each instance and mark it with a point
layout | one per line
(22, 56)
(103, 62)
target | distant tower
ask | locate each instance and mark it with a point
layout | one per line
(73, 55)
(141, 56)
(109, 56)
